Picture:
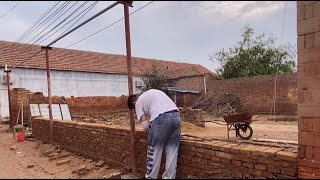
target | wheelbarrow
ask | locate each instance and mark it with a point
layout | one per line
(240, 122)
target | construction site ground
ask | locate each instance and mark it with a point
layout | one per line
(35, 160)
(265, 127)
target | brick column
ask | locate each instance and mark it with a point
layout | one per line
(18, 95)
(308, 17)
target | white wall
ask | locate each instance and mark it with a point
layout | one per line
(66, 83)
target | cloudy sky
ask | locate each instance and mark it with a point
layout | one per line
(184, 31)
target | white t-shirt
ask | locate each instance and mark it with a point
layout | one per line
(152, 103)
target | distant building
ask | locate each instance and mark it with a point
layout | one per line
(82, 73)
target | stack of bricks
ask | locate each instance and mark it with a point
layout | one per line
(18, 96)
(212, 159)
(186, 99)
(84, 105)
(309, 88)
(193, 116)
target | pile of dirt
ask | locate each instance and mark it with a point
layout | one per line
(218, 104)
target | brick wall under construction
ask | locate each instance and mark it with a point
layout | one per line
(257, 93)
(212, 159)
(93, 107)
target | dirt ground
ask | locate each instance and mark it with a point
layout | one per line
(264, 128)
(279, 128)
(17, 156)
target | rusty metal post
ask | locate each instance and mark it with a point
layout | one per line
(49, 92)
(126, 5)
(9, 98)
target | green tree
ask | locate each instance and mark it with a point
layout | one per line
(156, 77)
(253, 56)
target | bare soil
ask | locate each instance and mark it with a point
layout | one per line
(17, 156)
(265, 127)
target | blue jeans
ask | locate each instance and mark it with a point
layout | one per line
(164, 134)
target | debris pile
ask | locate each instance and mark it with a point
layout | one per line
(219, 104)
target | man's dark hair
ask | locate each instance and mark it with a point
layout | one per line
(131, 101)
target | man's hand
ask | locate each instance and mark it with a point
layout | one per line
(145, 125)
(145, 122)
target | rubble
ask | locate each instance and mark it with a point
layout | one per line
(62, 162)
(219, 104)
(116, 175)
(13, 148)
(100, 164)
(30, 165)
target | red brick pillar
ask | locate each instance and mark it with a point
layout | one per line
(309, 88)
(19, 95)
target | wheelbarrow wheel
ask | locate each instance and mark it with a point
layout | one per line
(245, 132)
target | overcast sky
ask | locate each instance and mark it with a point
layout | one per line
(185, 31)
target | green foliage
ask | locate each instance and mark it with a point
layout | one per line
(253, 56)
(156, 77)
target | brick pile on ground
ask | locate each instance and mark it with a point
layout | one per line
(217, 104)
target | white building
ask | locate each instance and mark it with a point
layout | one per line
(74, 73)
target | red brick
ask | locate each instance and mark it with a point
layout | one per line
(246, 150)
(316, 172)
(309, 55)
(264, 160)
(289, 171)
(317, 39)
(260, 167)
(308, 12)
(308, 124)
(301, 152)
(300, 13)
(301, 101)
(316, 140)
(309, 152)
(304, 3)
(308, 26)
(273, 169)
(236, 163)
(225, 155)
(316, 125)
(271, 152)
(311, 69)
(308, 163)
(305, 169)
(307, 176)
(317, 154)
(316, 11)
(301, 123)
(309, 41)
(307, 110)
(248, 165)
(246, 158)
(306, 138)
(301, 42)
(287, 156)
(309, 83)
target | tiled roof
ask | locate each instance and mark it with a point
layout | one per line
(84, 61)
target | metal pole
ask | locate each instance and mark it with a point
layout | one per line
(130, 84)
(49, 93)
(9, 99)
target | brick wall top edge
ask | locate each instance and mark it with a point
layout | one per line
(262, 76)
(89, 125)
